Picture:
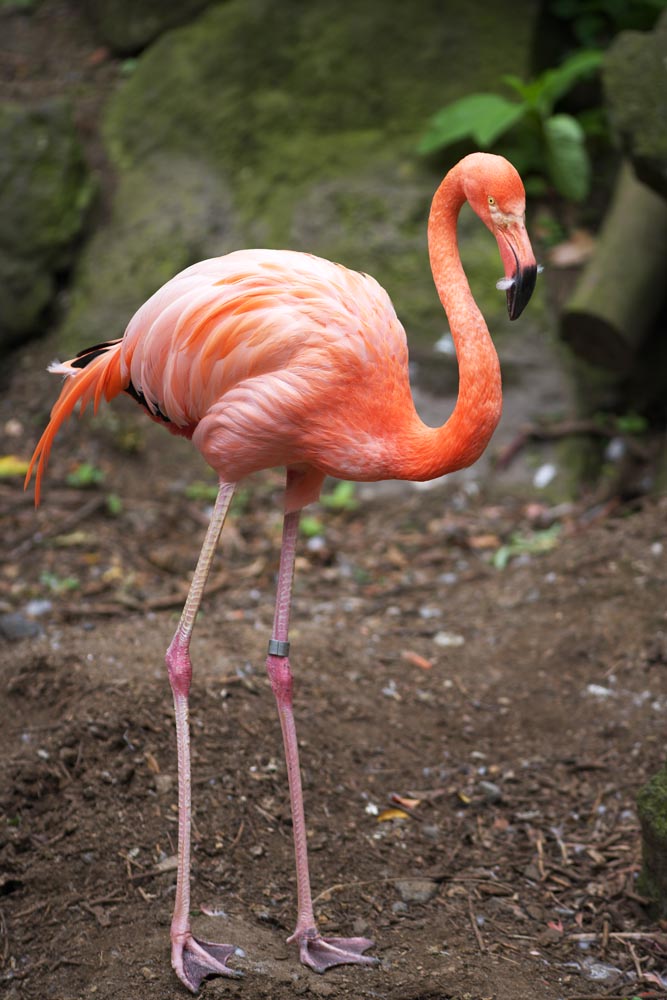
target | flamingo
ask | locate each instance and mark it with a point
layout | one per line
(269, 358)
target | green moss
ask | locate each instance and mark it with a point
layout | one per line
(652, 809)
(244, 74)
(652, 805)
(307, 112)
(129, 25)
(45, 193)
(276, 95)
(44, 184)
(634, 81)
(166, 215)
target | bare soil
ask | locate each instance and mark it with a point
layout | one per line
(473, 738)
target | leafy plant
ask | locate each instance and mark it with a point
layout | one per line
(85, 475)
(538, 541)
(310, 526)
(631, 423)
(552, 144)
(199, 490)
(114, 505)
(342, 497)
(58, 584)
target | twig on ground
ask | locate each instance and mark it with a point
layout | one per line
(474, 925)
(61, 527)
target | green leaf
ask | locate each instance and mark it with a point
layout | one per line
(567, 159)
(85, 475)
(482, 117)
(342, 497)
(310, 526)
(529, 90)
(631, 423)
(554, 83)
(58, 584)
(114, 504)
(517, 84)
(199, 490)
(537, 542)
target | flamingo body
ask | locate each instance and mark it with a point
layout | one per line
(250, 350)
(273, 357)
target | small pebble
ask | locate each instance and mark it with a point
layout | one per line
(491, 792)
(598, 691)
(14, 627)
(163, 783)
(416, 890)
(445, 639)
(431, 832)
(38, 607)
(544, 475)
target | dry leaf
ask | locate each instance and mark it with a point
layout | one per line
(416, 659)
(573, 252)
(391, 814)
(11, 465)
(402, 800)
(489, 541)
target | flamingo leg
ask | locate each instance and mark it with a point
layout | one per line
(191, 959)
(317, 952)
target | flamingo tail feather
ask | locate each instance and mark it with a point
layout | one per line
(91, 375)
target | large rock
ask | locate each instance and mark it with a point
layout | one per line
(635, 82)
(127, 26)
(307, 116)
(45, 191)
(172, 211)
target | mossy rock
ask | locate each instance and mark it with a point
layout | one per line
(45, 193)
(635, 82)
(172, 211)
(652, 808)
(308, 113)
(127, 26)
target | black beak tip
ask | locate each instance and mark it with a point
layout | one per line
(520, 291)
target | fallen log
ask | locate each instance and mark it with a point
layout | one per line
(620, 293)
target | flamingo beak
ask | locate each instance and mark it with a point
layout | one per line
(520, 267)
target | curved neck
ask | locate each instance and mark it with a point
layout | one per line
(463, 438)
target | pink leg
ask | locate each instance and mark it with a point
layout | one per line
(316, 951)
(192, 960)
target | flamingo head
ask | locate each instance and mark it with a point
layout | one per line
(495, 192)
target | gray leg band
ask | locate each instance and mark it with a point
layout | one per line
(278, 648)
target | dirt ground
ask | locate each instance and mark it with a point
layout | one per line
(473, 737)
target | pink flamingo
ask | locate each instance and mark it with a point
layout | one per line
(275, 358)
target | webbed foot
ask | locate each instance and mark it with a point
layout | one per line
(320, 953)
(194, 960)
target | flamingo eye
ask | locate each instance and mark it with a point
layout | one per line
(492, 200)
